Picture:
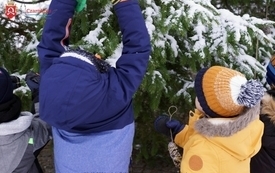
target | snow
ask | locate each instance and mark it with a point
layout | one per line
(151, 12)
(33, 44)
(186, 86)
(199, 38)
(114, 57)
(155, 75)
(173, 44)
(23, 89)
(93, 36)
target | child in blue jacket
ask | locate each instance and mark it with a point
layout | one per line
(86, 101)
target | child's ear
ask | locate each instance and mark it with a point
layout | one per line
(198, 105)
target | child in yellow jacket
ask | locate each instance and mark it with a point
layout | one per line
(224, 131)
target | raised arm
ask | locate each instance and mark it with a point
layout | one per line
(132, 65)
(55, 32)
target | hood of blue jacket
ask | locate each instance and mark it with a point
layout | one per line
(74, 96)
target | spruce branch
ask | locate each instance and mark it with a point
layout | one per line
(21, 28)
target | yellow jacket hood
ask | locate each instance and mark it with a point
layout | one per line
(232, 134)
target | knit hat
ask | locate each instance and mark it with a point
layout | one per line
(270, 72)
(6, 87)
(223, 92)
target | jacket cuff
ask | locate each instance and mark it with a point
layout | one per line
(124, 3)
(69, 2)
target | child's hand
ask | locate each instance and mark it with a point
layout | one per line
(33, 80)
(15, 82)
(163, 125)
(175, 126)
(81, 4)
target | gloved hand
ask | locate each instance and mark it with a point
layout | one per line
(175, 126)
(81, 4)
(33, 80)
(163, 125)
(15, 82)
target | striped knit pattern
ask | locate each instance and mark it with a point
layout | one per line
(223, 92)
(250, 93)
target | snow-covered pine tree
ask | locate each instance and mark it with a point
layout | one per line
(186, 35)
(16, 35)
(266, 10)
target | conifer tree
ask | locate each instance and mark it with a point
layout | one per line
(16, 35)
(259, 8)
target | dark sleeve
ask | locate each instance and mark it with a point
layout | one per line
(42, 132)
(268, 139)
(55, 33)
(131, 66)
(39, 137)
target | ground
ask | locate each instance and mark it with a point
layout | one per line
(46, 161)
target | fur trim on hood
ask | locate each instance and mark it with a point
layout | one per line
(224, 127)
(268, 107)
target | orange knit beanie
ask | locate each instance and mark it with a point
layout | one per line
(223, 92)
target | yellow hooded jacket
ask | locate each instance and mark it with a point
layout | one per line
(220, 145)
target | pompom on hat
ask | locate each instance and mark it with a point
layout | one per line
(223, 92)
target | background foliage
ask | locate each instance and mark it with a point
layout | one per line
(186, 35)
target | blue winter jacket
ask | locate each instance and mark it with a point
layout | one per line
(74, 96)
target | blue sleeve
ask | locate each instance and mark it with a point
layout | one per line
(132, 65)
(55, 32)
